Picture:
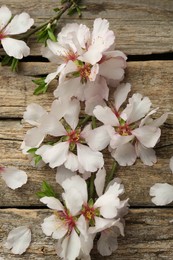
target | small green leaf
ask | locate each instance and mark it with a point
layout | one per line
(46, 190)
(91, 202)
(52, 35)
(42, 86)
(57, 9)
(10, 61)
(37, 159)
(72, 11)
(32, 150)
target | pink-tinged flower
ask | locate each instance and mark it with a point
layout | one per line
(132, 131)
(162, 193)
(67, 224)
(13, 177)
(13, 26)
(18, 240)
(87, 61)
(70, 148)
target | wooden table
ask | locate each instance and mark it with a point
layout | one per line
(144, 32)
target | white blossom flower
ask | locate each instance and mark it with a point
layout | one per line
(13, 177)
(132, 132)
(19, 240)
(87, 61)
(12, 26)
(162, 193)
(70, 149)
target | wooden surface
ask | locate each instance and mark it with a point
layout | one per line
(142, 27)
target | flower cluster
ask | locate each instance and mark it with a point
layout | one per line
(87, 66)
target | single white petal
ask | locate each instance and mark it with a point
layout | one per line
(102, 37)
(73, 201)
(89, 159)
(94, 72)
(57, 48)
(100, 224)
(52, 226)
(59, 108)
(55, 155)
(71, 246)
(5, 15)
(106, 116)
(97, 88)
(147, 135)
(98, 138)
(52, 203)
(72, 162)
(162, 194)
(78, 183)
(99, 181)
(137, 108)
(160, 121)
(72, 114)
(13, 177)
(92, 55)
(120, 95)
(15, 48)
(62, 174)
(18, 240)
(125, 154)
(34, 137)
(50, 125)
(171, 164)
(19, 24)
(91, 103)
(119, 140)
(147, 119)
(147, 155)
(113, 69)
(33, 114)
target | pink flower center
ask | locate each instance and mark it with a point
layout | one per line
(71, 56)
(67, 219)
(85, 71)
(74, 136)
(124, 129)
(88, 212)
(2, 36)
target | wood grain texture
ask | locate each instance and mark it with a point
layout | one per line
(137, 179)
(151, 78)
(148, 235)
(142, 27)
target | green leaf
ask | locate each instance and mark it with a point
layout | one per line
(46, 190)
(72, 11)
(10, 61)
(37, 159)
(42, 86)
(57, 9)
(32, 150)
(52, 35)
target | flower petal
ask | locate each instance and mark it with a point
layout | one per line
(72, 162)
(54, 227)
(105, 115)
(13, 177)
(15, 48)
(171, 164)
(72, 114)
(147, 155)
(99, 181)
(125, 154)
(73, 200)
(112, 69)
(19, 240)
(5, 15)
(19, 24)
(89, 159)
(34, 137)
(98, 138)
(52, 203)
(147, 135)
(162, 193)
(71, 246)
(33, 114)
(120, 95)
(55, 155)
(62, 174)
(50, 125)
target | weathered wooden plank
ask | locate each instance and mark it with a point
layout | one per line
(142, 27)
(144, 239)
(137, 179)
(150, 78)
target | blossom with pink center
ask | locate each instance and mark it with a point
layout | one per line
(70, 147)
(131, 132)
(87, 61)
(13, 26)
